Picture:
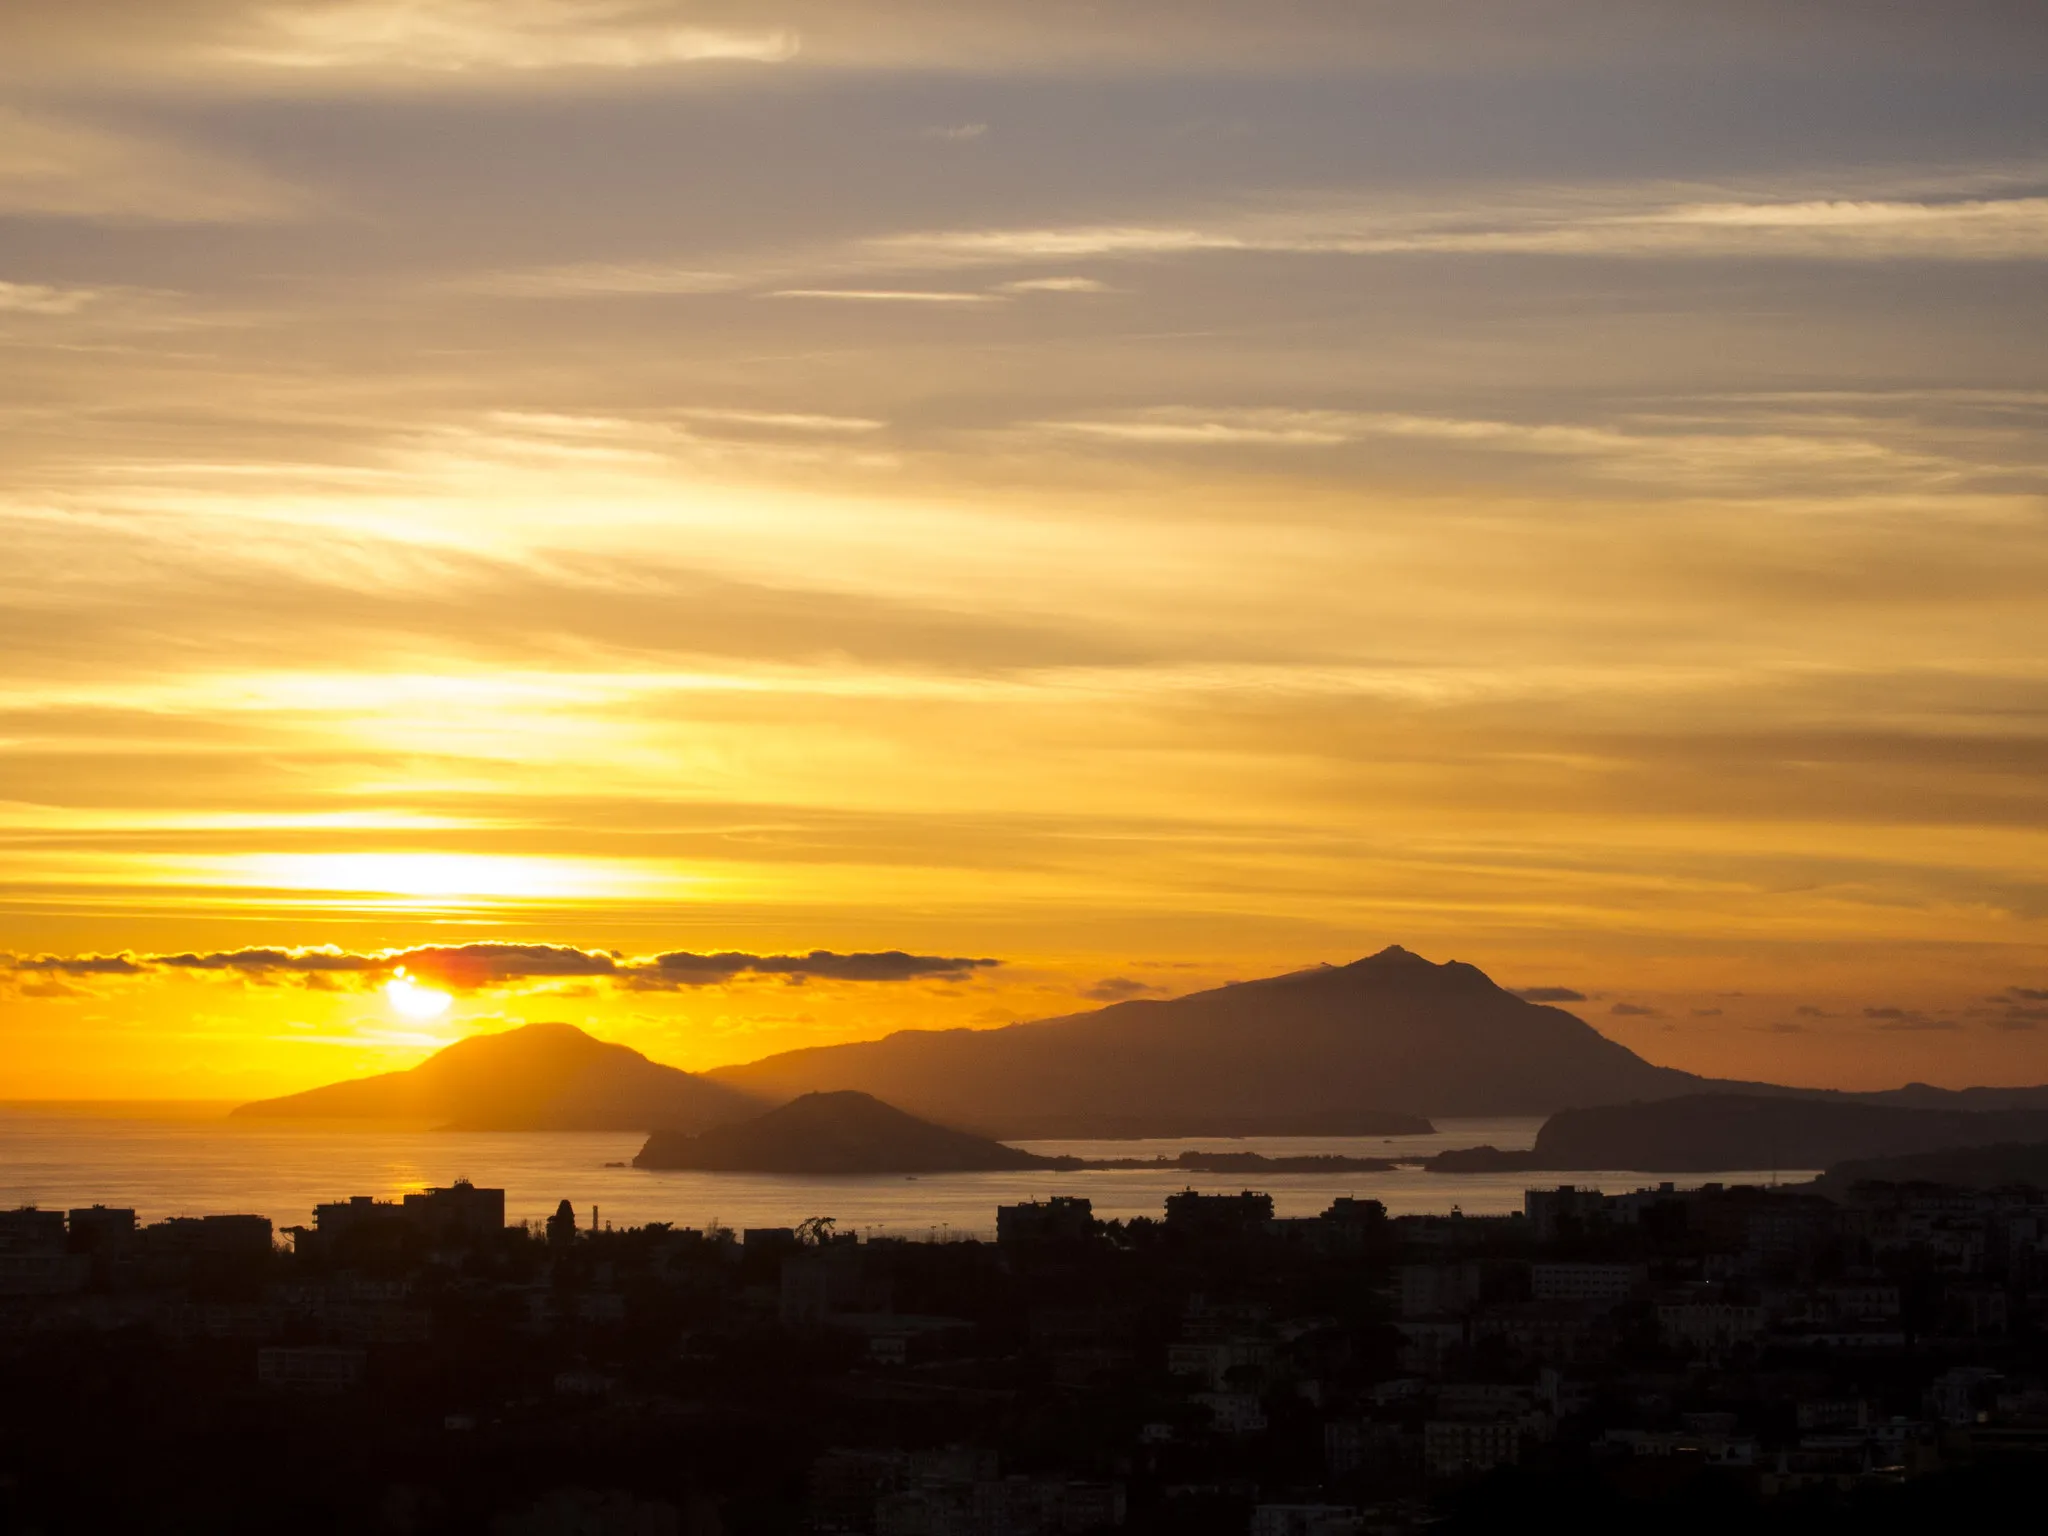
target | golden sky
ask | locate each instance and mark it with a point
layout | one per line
(1145, 495)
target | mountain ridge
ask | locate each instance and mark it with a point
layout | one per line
(1392, 1034)
(538, 1077)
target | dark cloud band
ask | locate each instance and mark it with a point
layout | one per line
(470, 966)
(1549, 995)
(684, 969)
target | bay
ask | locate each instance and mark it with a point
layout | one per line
(167, 1159)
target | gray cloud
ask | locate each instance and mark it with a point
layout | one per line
(1906, 1019)
(1117, 989)
(467, 967)
(77, 965)
(1548, 994)
(1635, 1011)
(685, 969)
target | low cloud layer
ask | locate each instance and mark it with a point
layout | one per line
(1120, 989)
(469, 967)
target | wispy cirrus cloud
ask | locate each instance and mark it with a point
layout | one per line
(887, 295)
(1768, 450)
(43, 298)
(1058, 285)
(471, 36)
(784, 421)
(65, 167)
(1634, 223)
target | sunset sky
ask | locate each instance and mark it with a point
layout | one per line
(1144, 494)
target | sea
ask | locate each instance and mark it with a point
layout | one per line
(190, 1159)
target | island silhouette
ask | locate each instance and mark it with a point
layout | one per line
(540, 1077)
(1373, 1048)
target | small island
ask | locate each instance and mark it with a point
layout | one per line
(848, 1132)
(835, 1133)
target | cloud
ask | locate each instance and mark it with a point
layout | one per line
(261, 962)
(1808, 1011)
(886, 295)
(1631, 223)
(785, 421)
(2030, 994)
(1636, 1011)
(1057, 285)
(1117, 989)
(685, 969)
(1285, 428)
(957, 132)
(78, 965)
(1706, 1013)
(1906, 1019)
(63, 168)
(1576, 42)
(1741, 455)
(49, 988)
(1548, 994)
(42, 299)
(469, 967)
(458, 37)
(1781, 1028)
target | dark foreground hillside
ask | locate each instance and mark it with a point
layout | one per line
(1708, 1360)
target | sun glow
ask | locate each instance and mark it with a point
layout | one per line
(412, 1000)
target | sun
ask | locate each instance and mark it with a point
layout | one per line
(413, 1000)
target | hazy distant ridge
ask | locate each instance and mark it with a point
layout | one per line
(543, 1077)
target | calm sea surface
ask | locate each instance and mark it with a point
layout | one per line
(190, 1159)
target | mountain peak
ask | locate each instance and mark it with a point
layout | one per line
(1393, 1032)
(1392, 955)
(1396, 961)
(535, 1077)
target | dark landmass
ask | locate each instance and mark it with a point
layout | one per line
(1027, 1125)
(1390, 1033)
(2001, 1166)
(1688, 1361)
(855, 1133)
(1925, 1096)
(543, 1077)
(1703, 1132)
(1482, 1160)
(835, 1133)
(1240, 1162)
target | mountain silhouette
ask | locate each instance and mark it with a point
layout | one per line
(1393, 1034)
(833, 1133)
(1699, 1133)
(541, 1077)
(2001, 1165)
